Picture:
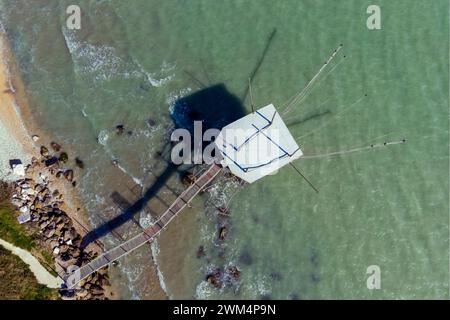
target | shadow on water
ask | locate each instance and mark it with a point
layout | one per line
(216, 107)
(307, 118)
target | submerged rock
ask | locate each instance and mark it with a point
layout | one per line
(201, 252)
(245, 258)
(120, 129)
(234, 272)
(223, 233)
(79, 163)
(214, 278)
(150, 122)
(55, 146)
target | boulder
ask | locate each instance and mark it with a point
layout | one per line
(82, 293)
(63, 157)
(44, 151)
(223, 233)
(213, 278)
(51, 161)
(120, 129)
(35, 138)
(54, 244)
(17, 167)
(49, 233)
(68, 174)
(64, 248)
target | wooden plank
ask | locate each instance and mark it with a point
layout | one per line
(153, 230)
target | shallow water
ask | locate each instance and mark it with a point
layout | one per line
(388, 207)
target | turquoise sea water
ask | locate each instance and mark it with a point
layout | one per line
(132, 59)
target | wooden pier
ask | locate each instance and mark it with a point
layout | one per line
(148, 234)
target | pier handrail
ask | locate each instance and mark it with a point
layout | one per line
(148, 234)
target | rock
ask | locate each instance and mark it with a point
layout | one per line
(59, 174)
(43, 177)
(64, 248)
(35, 138)
(75, 252)
(49, 233)
(97, 290)
(200, 252)
(120, 129)
(275, 276)
(24, 218)
(55, 146)
(188, 179)
(70, 234)
(51, 161)
(44, 224)
(151, 123)
(103, 282)
(234, 272)
(17, 167)
(213, 278)
(74, 184)
(58, 233)
(63, 157)
(24, 209)
(223, 233)
(54, 244)
(67, 294)
(82, 293)
(79, 163)
(44, 151)
(245, 258)
(68, 174)
(60, 226)
(56, 251)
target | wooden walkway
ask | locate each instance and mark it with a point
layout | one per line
(148, 234)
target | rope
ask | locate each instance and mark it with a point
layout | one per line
(311, 82)
(337, 153)
(317, 85)
(335, 116)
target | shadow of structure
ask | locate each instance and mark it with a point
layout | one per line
(216, 107)
(308, 118)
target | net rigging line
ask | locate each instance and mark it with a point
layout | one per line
(337, 115)
(298, 96)
(359, 149)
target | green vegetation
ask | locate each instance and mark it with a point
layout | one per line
(10, 229)
(18, 282)
(16, 279)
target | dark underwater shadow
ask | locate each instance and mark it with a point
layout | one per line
(216, 107)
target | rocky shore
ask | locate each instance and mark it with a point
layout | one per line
(38, 198)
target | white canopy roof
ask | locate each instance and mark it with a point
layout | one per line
(257, 145)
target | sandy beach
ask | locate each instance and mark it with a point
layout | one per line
(17, 130)
(16, 141)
